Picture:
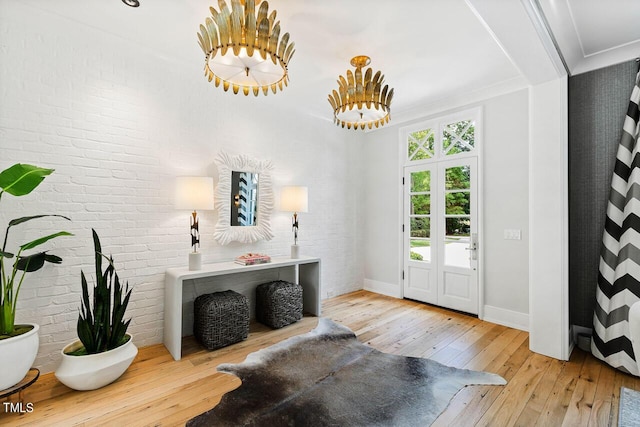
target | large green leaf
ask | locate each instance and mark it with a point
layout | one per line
(6, 254)
(44, 239)
(21, 179)
(29, 218)
(35, 262)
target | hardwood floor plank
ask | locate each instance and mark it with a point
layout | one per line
(601, 411)
(487, 339)
(555, 407)
(536, 404)
(579, 409)
(158, 391)
(471, 403)
(476, 331)
(515, 395)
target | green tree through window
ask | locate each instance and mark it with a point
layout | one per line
(457, 137)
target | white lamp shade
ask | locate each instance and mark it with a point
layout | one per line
(194, 192)
(294, 199)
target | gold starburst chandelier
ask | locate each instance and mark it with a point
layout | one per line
(243, 49)
(361, 103)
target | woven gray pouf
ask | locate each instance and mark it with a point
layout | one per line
(221, 319)
(278, 303)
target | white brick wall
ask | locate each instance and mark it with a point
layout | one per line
(118, 124)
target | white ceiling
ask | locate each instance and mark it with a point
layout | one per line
(594, 33)
(428, 49)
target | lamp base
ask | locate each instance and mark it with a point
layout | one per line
(195, 261)
(295, 251)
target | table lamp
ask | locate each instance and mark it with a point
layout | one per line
(294, 199)
(194, 192)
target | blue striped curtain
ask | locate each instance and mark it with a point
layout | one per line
(619, 277)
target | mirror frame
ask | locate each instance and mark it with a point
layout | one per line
(226, 233)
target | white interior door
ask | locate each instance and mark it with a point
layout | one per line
(441, 233)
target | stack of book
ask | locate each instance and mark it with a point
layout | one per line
(251, 259)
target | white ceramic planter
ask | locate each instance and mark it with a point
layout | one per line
(17, 355)
(93, 371)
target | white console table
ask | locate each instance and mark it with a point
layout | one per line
(305, 271)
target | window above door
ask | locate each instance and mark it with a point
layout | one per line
(449, 136)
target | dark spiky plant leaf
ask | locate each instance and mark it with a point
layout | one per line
(97, 248)
(85, 323)
(119, 307)
(85, 319)
(105, 300)
(85, 334)
(100, 325)
(85, 308)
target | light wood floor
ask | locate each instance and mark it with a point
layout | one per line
(158, 391)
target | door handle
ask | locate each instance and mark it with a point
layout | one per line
(473, 246)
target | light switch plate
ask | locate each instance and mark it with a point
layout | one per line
(511, 234)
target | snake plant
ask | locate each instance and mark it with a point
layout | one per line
(101, 326)
(20, 180)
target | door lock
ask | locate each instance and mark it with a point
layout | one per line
(473, 246)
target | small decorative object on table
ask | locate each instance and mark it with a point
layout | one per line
(252, 258)
(278, 303)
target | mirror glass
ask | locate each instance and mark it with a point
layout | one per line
(244, 199)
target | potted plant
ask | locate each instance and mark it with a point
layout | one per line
(104, 350)
(19, 343)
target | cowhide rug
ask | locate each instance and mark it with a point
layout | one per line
(328, 378)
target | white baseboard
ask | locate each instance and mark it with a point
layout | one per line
(505, 317)
(389, 289)
(501, 316)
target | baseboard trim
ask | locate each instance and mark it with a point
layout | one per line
(505, 317)
(501, 316)
(383, 288)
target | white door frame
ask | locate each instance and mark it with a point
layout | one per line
(434, 122)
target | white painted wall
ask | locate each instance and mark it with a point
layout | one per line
(506, 189)
(383, 221)
(505, 268)
(548, 221)
(118, 123)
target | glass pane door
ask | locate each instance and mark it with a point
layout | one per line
(420, 215)
(420, 280)
(440, 238)
(457, 235)
(457, 216)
